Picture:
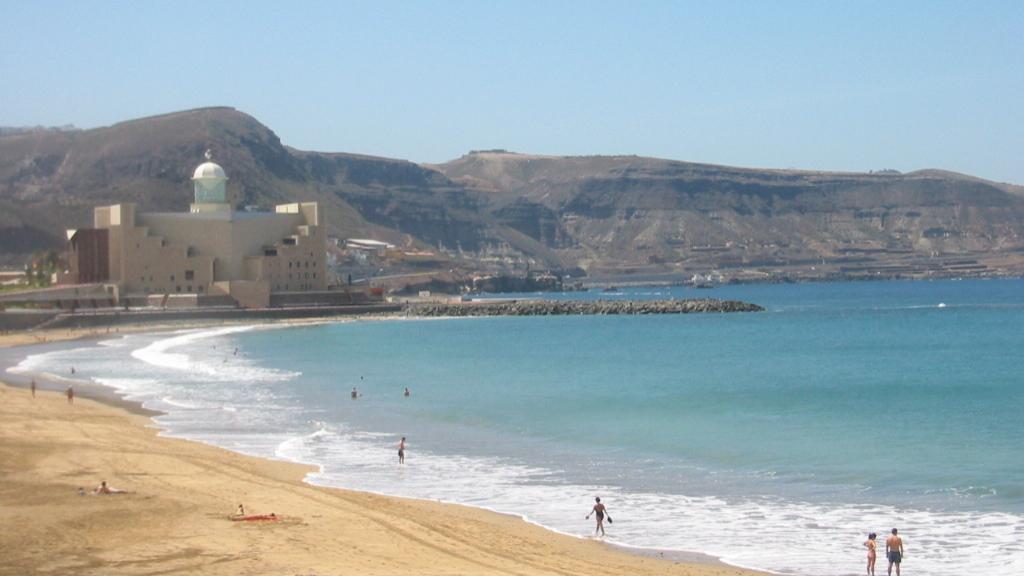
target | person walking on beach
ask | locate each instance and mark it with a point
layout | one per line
(870, 545)
(33, 387)
(401, 450)
(894, 551)
(71, 394)
(355, 393)
(599, 510)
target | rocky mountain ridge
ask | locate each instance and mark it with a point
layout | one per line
(617, 212)
(609, 215)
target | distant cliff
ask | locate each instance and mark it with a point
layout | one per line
(612, 213)
(606, 214)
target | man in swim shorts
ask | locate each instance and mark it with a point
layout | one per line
(401, 451)
(894, 551)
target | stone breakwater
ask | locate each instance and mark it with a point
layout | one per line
(576, 307)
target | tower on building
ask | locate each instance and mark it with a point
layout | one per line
(210, 184)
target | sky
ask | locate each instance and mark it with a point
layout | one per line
(826, 85)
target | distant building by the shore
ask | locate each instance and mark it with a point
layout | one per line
(211, 250)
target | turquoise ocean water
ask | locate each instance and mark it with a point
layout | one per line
(842, 409)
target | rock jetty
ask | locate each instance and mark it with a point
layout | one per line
(578, 307)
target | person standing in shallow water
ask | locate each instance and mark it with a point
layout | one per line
(401, 450)
(894, 551)
(71, 394)
(871, 546)
(33, 387)
(599, 511)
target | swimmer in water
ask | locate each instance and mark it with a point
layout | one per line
(894, 551)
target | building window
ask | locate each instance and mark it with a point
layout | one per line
(189, 287)
(142, 278)
(289, 263)
(314, 275)
(172, 277)
(200, 288)
(190, 274)
(177, 288)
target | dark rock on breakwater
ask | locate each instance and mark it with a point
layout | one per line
(576, 307)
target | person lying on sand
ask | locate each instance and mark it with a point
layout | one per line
(240, 515)
(255, 517)
(104, 489)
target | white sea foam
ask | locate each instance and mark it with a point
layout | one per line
(754, 532)
(222, 367)
(133, 388)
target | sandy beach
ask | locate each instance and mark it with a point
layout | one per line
(176, 516)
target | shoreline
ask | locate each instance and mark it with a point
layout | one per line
(638, 559)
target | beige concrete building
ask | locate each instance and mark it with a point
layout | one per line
(210, 250)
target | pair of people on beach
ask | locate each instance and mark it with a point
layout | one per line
(893, 552)
(70, 392)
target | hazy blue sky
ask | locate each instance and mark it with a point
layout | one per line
(839, 85)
